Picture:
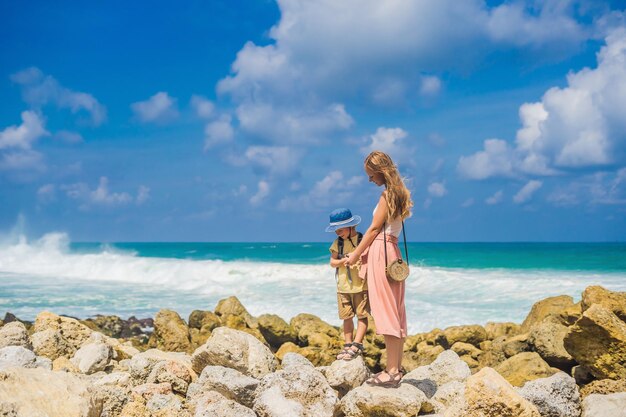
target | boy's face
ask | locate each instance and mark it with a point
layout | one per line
(344, 232)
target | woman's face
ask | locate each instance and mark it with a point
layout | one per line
(375, 177)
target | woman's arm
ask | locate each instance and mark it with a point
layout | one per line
(377, 224)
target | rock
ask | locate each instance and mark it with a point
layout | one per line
(610, 405)
(230, 383)
(166, 405)
(561, 305)
(17, 356)
(489, 394)
(237, 350)
(51, 344)
(286, 348)
(142, 364)
(547, 340)
(472, 334)
(63, 364)
(604, 386)
(311, 330)
(92, 357)
(231, 306)
(39, 392)
(212, 404)
(516, 344)
(556, 396)
(582, 375)
(410, 343)
(448, 395)
(446, 368)
(275, 330)
(136, 408)
(365, 401)
(73, 333)
(113, 399)
(318, 356)
(346, 375)
(14, 334)
(198, 319)
(461, 349)
(111, 326)
(147, 391)
(198, 337)
(171, 332)
(524, 367)
(507, 329)
(176, 374)
(121, 379)
(296, 390)
(427, 353)
(493, 352)
(613, 301)
(598, 342)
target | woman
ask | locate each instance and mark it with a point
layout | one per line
(386, 297)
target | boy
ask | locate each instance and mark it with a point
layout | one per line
(351, 290)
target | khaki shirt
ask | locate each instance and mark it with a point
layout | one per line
(343, 284)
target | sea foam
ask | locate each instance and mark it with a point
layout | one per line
(46, 275)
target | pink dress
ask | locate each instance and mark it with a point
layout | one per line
(386, 297)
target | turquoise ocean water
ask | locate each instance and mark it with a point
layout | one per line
(450, 283)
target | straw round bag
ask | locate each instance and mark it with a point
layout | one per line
(398, 270)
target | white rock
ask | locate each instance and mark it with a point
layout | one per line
(51, 344)
(14, 334)
(92, 357)
(446, 368)
(296, 390)
(162, 402)
(212, 404)
(121, 379)
(235, 349)
(17, 356)
(39, 392)
(449, 395)
(556, 396)
(366, 400)
(230, 383)
(346, 375)
(609, 405)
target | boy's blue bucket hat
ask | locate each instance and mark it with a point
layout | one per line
(342, 217)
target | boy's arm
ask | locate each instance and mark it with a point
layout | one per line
(335, 262)
(377, 225)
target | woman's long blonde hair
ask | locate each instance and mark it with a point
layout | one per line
(398, 196)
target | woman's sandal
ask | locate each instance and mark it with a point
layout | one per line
(345, 351)
(393, 382)
(351, 353)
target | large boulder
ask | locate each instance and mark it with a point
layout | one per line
(311, 330)
(230, 383)
(472, 334)
(174, 373)
(611, 300)
(562, 306)
(213, 404)
(51, 344)
(524, 367)
(92, 357)
(38, 392)
(598, 342)
(275, 330)
(604, 386)
(234, 349)
(12, 356)
(516, 344)
(489, 394)
(296, 390)
(69, 333)
(446, 368)
(366, 400)
(609, 405)
(556, 396)
(14, 334)
(507, 329)
(199, 319)
(171, 332)
(231, 306)
(142, 364)
(547, 339)
(111, 326)
(346, 375)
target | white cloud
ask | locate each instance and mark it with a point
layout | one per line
(600, 188)
(22, 136)
(39, 89)
(495, 160)
(203, 107)
(46, 193)
(495, 199)
(388, 140)
(274, 160)
(430, 86)
(102, 196)
(22, 160)
(159, 108)
(437, 189)
(218, 132)
(580, 126)
(527, 191)
(262, 193)
(333, 189)
(468, 203)
(68, 137)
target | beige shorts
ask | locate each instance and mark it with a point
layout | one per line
(353, 304)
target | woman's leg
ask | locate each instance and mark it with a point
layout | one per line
(394, 347)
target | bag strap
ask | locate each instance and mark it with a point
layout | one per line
(406, 250)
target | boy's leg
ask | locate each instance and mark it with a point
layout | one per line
(346, 313)
(348, 330)
(361, 306)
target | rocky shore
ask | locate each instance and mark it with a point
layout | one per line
(565, 360)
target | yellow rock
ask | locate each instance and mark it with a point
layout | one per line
(524, 367)
(561, 305)
(614, 301)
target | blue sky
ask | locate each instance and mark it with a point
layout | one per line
(249, 120)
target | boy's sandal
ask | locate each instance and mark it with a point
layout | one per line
(393, 382)
(351, 353)
(345, 351)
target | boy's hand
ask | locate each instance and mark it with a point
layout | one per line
(351, 260)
